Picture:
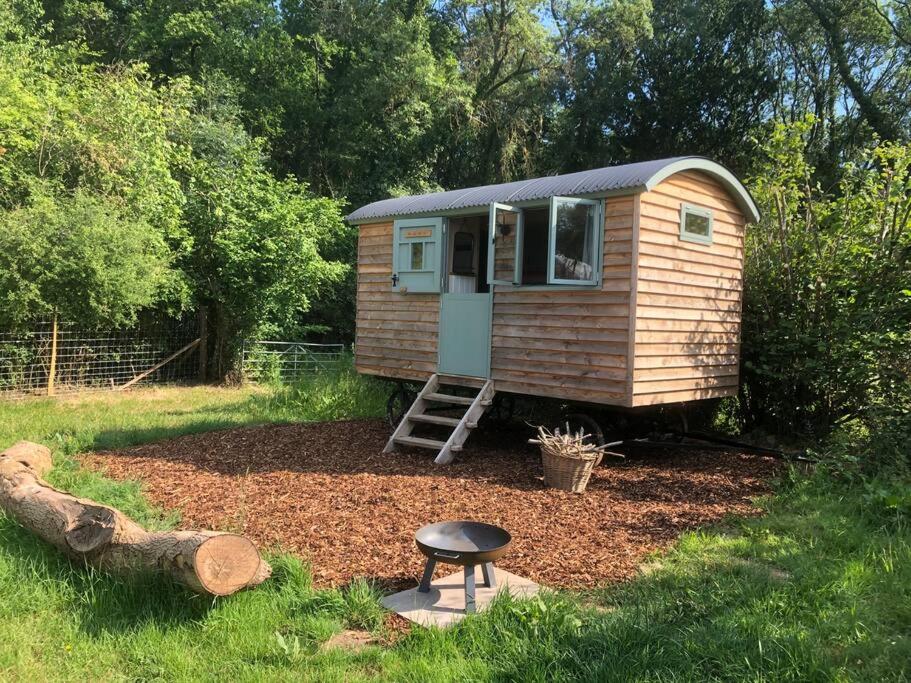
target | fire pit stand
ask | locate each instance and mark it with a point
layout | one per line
(462, 543)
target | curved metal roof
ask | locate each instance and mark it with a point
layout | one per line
(638, 177)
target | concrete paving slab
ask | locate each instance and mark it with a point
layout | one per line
(444, 605)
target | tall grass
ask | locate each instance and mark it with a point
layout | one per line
(332, 393)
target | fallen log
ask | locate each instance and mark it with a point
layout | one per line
(207, 562)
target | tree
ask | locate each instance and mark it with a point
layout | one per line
(79, 258)
(254, 258)
(697, 85)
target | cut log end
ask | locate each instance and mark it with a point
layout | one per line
(227, 563)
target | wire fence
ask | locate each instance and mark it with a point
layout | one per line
(91, 360)
(277, 361)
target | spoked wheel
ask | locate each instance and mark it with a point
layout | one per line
(503, 408)
(577, 421)
(397, 405)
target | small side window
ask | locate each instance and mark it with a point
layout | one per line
(695, 224)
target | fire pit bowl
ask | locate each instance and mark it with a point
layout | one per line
(463, 543)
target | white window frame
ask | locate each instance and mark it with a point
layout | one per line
(597, 238)
(685, 235)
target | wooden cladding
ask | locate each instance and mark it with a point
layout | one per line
(396, 333)
(688, 296)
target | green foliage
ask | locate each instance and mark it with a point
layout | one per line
(52, 249)
(331, 394)
(827, 314)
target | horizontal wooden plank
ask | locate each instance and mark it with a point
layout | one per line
(685, 278)
(570, 345)
(398, 316)
(559, 334)
(692, 299)
(682, 361)
(416, 374)
(580, 385)
(580, 312)
(684, 349)
(387, 352)
(365, 326)
(650, 387)
(655, 234)
(687, 372)
(581, 356)
(666, 397)
(675, 252)
(564, 372)
(548, 320)
(645, 312)
(517, 386)
(552, 299)
(680, 265)
(688, 289)
(693, 328)
(696, 343)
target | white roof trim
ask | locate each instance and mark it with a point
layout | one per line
(728, 179)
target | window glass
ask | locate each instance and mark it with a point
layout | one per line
(574, 242)
(417, 256)
(696, 224)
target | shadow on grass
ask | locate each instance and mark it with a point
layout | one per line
(101, 603)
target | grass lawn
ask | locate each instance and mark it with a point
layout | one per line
(817, 589)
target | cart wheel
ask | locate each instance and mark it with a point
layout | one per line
(503, 408)
(587, 424)
(397, 405)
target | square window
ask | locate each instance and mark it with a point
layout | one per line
(695, 224)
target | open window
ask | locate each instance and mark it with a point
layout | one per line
(555, 244)
(504, 264)
(416, 254)
(574, 234)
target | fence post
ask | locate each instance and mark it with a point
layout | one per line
(203, 344)
(52, 371)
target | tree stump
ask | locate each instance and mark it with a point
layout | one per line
(208, 562)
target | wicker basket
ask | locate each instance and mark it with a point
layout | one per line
(568, 474)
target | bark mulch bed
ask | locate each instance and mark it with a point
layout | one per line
(327, 492)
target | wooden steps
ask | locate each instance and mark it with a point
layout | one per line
(436, 420)
(448, 398)
(461, 427)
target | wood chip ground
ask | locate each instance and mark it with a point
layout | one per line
(327, 492)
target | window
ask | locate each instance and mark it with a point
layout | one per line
(573, 233)
(417, 256)
(559, 244)
(695, 224)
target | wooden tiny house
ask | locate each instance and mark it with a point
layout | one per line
(618, 286)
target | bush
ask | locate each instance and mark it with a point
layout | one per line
(827, 309)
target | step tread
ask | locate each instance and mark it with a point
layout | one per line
(419, 442)
(449, 398)
(436, 419)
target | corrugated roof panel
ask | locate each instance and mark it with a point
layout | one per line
(631, 177)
